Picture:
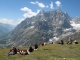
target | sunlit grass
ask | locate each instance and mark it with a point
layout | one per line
(47, 52)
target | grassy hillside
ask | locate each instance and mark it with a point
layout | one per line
(47, 52)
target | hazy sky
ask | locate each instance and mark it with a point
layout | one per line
(14, 11)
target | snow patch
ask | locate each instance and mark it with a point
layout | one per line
(50, 39)
(69, 29)
(44, 20)
(56, 38)
(32, 22)
(32, 27)
(53, 39)
(75, 26)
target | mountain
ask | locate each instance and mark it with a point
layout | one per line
(5, 29)
(75, 22)
(42, 27)
(74, 36)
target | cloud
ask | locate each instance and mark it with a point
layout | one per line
(33, 2)
(7, 21)
(58, 3)
(51, 5)
(26, 9)
(29, 13)
(39, 4)
(47, 6)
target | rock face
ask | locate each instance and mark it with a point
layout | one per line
(42, 27)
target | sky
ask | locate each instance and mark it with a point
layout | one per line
(14, 11)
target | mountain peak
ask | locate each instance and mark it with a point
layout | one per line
(59, 10)
(41, 28)
(41, 12)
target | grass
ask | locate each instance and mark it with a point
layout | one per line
(47, 52)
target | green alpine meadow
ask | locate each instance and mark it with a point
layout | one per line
(46, 52)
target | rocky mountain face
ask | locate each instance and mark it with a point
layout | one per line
(76, 20)
(42, 27)
(74, 36)
(75, 23)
